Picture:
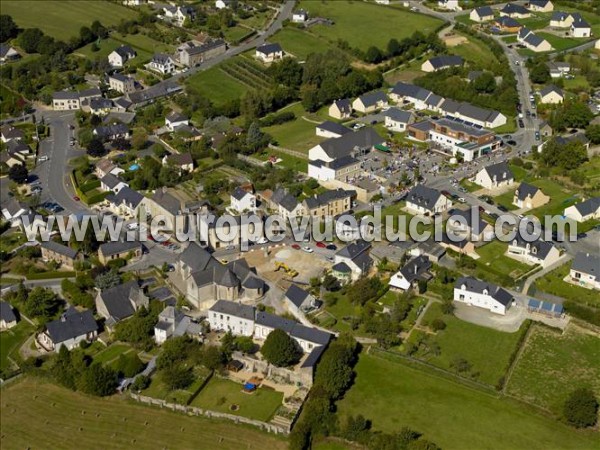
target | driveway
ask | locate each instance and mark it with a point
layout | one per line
(509, 323)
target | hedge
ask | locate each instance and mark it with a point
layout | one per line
(51, 275)
(94, 184)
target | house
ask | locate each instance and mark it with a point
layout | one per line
(482, 294)
(561, 19)
(586, 210)
(469, 223)
(269, 53)
(120, 302)
(532, 41)
(425, 200)
(112, 183)
(174, 323)
(8, 53)
(299, 301)
(528, 196)
(356, 257)
(415, 270)
(329, 129)
(175, 120)
(121, 83)
(471, 114)
(494, 176)
(558, 69)
(441, 62)
(233, 317)
(177, 14)
(164, 203)
(342, 169)
(222, 4)
(449, 5)
(126, 202)
(183, 161)
(193, 53)
(104, 167)
(9, 133)
(242, 200)
(162, 63)
(72, 328)
(13, 210)
(540, 5)
(398, 119)
(112, 132)
(119, 250)
(545, 129)
(8, 319)
(466, 141)
(585, 270)
(482, 14)
(458, 243)
(580, 28)
(368, 103)
(515, 11)
(536, 252)
(61, 254)
(65, 101)
(551, 94)
(119, 56)
(508, 24)
(299, 16)
(98, 106)
(578, 137)
(330, 203)
(418, 96)
(341, 109)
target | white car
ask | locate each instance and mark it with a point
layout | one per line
(132, 226)
(462, 200)
(307, 249)
(262, 240)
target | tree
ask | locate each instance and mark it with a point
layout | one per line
(129, 365)
(18, 173)
(280, 349)
(373, 55)
(393, 47)
(539, 73)
(107, 280)
(8, 28)
(245, 344)
(30, 38)
(96, 148)
(438, 324)
(121, 144)
(177, 376)
(485, 83)
(140, 383)
(581, 408)
(255, 138)
(330, 283)
(98, 380)
(565, 156)
(593, 134)
(139, 138)
(213, 358)
(42, 303)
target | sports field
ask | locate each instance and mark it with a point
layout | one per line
(37, 414)
(452, 415)
(364, 24)
(63, 19)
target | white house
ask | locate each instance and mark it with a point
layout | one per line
(8, 319)
(532, 41)
(540, 5)
(175, 119)
(13, 210)
(329, 129)
(482, 14)
(232, 316)
(585, 270)
(584, 211)
(268, 53)
(468, 223)
(561, 19)
(441, 62)
(299, 301)
(121, 83)
(558, 69)
(580, 28)
(515, 11)
(72, 328)
(482, 294)
(425, 200)
(536, 252)
(119, 56)
(162, 63)
(177, 14)
(355, 256)
(242, 200)
(300, 16)
(420, 98)
(414, 270)
(112, 183)
(8, 53)
(551, 94)
(449, 5)
(494, 176)
(174, 323)
(398, 119)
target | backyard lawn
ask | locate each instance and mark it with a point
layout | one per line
(493, 264)
(111, 423)
(158, 389)
(355, 22)
(558, 363)
(298, 134)
(10, 342)
(216, 85)
(287, 161)
(220, 394)
(63, 19)
(552, 283)
(394, 395)
(112, 353)
(487, 350)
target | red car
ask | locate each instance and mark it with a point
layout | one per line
(295, 246)
(76, 198)
(321, 245)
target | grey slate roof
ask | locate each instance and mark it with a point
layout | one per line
(344, 105)
(126, 196)
(110, 131)
(6, 312)
(524, 190)
(273, 321)
(117, 247)
(70, 325)
(444, 61)
(372, 98)
(462, 127)
(513, 8)
(539, 3)
(296, 295)
(167, 201)
(423, 196)
(334, 127)
(65, 95)
(580, 22)
(410, 90)
(234, 309)
(125, 51)
(161, 58)
(293, 328)
(354, 249)
(238, 193)
(551, 88)
(343, 146)
(587, 263)
(416, 268)
(60, 249)
(314, 356)
(507, 22)
(341, 267)
(534, 40)
(499, 171)
(476, 228)
(111, 180)
(478, 286)
(539, 248)
(196, 257)
(559, 16)
(174, 116)
(268, 49)
(588, 206)
(327, 197)
(484, 11)
(398, 115)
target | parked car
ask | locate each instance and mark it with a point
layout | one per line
(502, 208)
(332, 247)
(521, 124)
(262, 240)
(307, 249)
(321, 245)
(296, 247)
(76, 198)
(537, 136)
(462, 200)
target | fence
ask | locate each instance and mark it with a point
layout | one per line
(194, 411)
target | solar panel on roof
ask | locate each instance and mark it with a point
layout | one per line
(558, 308)
(534, 303)
(547, 306)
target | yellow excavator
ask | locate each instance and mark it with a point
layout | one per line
(288, 270)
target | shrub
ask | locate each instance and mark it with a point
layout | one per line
(581, 408)
(438, 324)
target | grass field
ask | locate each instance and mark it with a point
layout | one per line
(111, 423)
(298, 134)
(560, 43)
(493, 264)
(365, 24)
(475, 51)
(287, 161)
(219, 394)
(300, 43)
(558, 363)
(10, 342)
(158, 389)
(144, 46)
(453, 416)
(487, 350)
(552, 283)
(216, 85)
(111, 353)
(63, 19)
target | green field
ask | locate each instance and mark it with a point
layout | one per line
(300, 43)
(552, 283)
(158, 389)
(452, 415)
(298, 134)
(493, 265)
(111, 423)
(489, 357)
(365, 24)
(560, 43)
(111, 353)
(287, 161)
(558, 363)
(219, 394)
(63, 19)
(10, 342)
(216, 85)
(475, 51)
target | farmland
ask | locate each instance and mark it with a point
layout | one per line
(558, 363)
(63, 19)
(300, 43)
(393, 395)
(354, 22)
(113, 422)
